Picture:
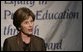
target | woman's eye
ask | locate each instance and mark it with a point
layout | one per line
(26, 22)
(31, 20)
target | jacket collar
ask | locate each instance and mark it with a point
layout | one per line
(21, 45)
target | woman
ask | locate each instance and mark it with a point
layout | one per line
(23, 20)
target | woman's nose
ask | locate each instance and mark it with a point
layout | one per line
(30, 24)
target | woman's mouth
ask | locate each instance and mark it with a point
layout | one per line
(30, 30)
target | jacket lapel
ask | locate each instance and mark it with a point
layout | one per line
(19, 42)
(32, 44)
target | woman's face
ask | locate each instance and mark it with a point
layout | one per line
(27, 26)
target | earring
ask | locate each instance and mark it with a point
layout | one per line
(19, 28)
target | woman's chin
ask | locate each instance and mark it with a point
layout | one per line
(29, 34)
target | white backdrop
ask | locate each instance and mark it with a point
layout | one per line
(59, 23)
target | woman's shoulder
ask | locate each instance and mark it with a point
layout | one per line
(11, 38)
(37, 38)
